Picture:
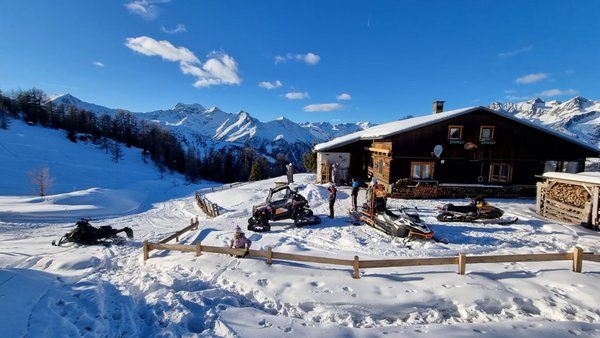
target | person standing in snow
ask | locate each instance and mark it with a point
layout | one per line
(355, 188)
(334, 169)
(332, 197)
(290, 173)
(239, 241)
(369, 192)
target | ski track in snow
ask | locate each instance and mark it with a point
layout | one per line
(112, 292)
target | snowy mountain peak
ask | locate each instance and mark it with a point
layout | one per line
(213, 110)
(65, 98)
(537, 101)
(68, 100)
(206, 130)
(578, 102)
(578, 116)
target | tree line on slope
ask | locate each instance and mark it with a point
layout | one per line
(156, 142)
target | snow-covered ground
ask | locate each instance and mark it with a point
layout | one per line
(99, 291)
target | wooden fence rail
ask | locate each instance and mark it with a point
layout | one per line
(577, 257)
(193, 226)
(209, 208)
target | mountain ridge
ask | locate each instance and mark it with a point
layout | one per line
(578, 117)
(211, 129)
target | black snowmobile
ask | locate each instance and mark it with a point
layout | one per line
(282, 202)
(86, 234)
(405, 223)
(477, 209)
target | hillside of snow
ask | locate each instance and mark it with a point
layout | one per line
(81, 172)
(109, 291)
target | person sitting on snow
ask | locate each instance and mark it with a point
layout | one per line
(239, 241)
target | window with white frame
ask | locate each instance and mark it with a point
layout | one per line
(422, 170)
(486, 133)
(455, 133)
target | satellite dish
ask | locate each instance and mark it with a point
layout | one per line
(437, 150)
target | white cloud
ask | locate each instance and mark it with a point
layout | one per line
(557, 92)
(219, 69)
(296, 95)
(515, 52)
(98, 64)
(270, 85)
(531, 78)
(309, 58)
(312, 59)
(344, 97)
(178, 29)
(145, 8)
(325, 107)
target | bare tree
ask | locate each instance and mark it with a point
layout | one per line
(116, 152)
(41, 179)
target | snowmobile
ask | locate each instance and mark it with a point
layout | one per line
(282, 202)
(86, 234)
(477, 209)
(405, 223)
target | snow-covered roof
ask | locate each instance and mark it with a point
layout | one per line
(387, 129)
(584, 177)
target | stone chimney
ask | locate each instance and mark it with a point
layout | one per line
(438, 106)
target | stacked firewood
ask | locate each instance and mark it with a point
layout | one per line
(425, 191)
(574, 195)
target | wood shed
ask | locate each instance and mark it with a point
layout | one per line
(570, 197)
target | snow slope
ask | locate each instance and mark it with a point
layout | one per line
(99, 291)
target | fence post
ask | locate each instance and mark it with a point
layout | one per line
(198, 249)
(269, 255)
(146, 251)
(356, 265)
(462, 263)
(577, 259)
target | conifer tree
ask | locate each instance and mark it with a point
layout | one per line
(255, 172)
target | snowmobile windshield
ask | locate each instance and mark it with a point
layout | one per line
(281, 195)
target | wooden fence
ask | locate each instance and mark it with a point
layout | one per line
(577, 257)
(209, 208)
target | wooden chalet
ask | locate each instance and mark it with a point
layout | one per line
(449, 154)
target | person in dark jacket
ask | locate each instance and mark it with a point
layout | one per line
(332, 197)
(355, 188)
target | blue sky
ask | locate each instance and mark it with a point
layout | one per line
(335, 61)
